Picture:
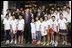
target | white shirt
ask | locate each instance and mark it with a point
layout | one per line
(62, 23)
(45, 15)
(14, 24)
(10, 18)
(2, 16)
(42, 25)
(37, 23)
(31, 14)
(68, 17)
(33, 29)
(55, 24)
(20, 24)
(38, 14)
(46, 24)
(50, 23)
(52, 14)
(56, 16)
(64, 14)
(7, 24)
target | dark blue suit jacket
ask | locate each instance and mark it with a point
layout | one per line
(41, 15)
(29, 18)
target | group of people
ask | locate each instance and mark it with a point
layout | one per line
(37, 25)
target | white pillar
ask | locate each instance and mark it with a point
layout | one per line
(5, 7)
(70, 4)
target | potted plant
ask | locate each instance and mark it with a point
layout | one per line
(69, 32)
(2, 29)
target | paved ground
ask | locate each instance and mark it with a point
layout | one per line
(32, 45)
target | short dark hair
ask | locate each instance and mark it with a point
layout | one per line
(32, 18)
(56, 10)
(68, 7)
(46, 16)
(7, 15)
(49, 14)
(64, 5)
(60, 10)
(52, 10)
(61, 14)
(41, 17)
(37, 17)
(13, 15)
(53, 16)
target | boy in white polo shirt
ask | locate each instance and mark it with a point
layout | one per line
(20, 28)
(56, 14)
(55, 29)
(38, 33)
(63, 28)
(68, 17)
(13, 24)
(6, 23)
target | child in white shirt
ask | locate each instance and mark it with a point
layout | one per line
(33, 31)
(38, 33)
(20, 28)
(6, 23)
(50, 30)
(55, 29)
(13, 24)
(63, 28)
(42, 29)
(56, 14)
(45, 30)
(68, 15)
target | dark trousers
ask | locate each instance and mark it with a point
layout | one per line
(7, 35)
(27, 33)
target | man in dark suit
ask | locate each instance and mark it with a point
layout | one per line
(43, 9)
(40, 14)
(27, 30)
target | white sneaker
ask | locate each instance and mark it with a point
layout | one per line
(65, 43)
(52, 42)
(44, 43)
(11, 41)
(47, 43)
(38, 42)
(8, 41)
(15, 42)
(41, 42)
(56, 44)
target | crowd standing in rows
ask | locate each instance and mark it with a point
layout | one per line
(37, 25)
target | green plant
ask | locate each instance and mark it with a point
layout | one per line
(69, 26)
(1, 24)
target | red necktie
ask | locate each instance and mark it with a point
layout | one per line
(38, 14)
(26, 19)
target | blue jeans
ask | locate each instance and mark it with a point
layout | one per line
(38, 35)
(7, 35)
